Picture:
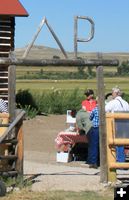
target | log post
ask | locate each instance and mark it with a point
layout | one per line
(11, 91)
(20, 148)
(102, 128)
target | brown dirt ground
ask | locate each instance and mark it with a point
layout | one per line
(40, 157)
(40, 133)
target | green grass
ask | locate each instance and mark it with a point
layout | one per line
(58, 195)
(22, 70)
(45, 85)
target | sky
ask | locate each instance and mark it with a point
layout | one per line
(111, 19)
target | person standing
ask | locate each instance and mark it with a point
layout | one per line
(118, 104)
(89, 103)
(93, 139)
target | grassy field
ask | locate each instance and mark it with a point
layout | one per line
(59, 195)
(23, 70)
(45, 85)
(42, 52)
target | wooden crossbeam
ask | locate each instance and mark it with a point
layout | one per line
(59, 62)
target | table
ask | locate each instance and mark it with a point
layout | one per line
(66, 140)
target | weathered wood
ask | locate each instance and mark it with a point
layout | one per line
(5, 41)
(111, 153)
(59, 62)
(75, 37)
(5, 48)
(119, 165)
(5, 34)
(8, 173)
(11, 91)
(7, 29)
(4, 119)
(20, 150)
(56, 39)
(112, 142)
(34, 38)
(5, 54)
(12, 125)
(8, 157)
(102, 127)
(118, 142)
(118, 115)
(44, 20)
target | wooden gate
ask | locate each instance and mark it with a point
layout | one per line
(117, 126)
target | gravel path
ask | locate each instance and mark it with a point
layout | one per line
(62, 177)
(40, 159)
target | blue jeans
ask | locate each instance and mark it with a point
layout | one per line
(93, 146)
(120, 154)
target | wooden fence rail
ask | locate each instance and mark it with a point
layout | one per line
(12, 125)
(59, 62)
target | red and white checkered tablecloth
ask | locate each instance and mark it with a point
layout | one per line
(68, 139)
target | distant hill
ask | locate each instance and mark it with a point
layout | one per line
(43, 52)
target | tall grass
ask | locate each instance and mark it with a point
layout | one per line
(58, 101)
(54, 101)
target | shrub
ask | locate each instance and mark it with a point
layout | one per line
(123, 69)
(53, 102)
(25, 101)
(24, 97)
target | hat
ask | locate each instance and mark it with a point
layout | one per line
(108, 95)
(89, 92)
(117, 90)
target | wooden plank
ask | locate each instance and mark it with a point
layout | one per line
(8, 157)
(3, 77)
(5, 54)
(5, 18)
(56, 39)
(4, 96)
(4, 67)
(118, 115)
(5, 34)
(75, 36)
(5, 48)
(20, 150)
(119, 165)
(111, 152)
(7, 173)
(11, 91)
(3, 89)
(3, 85)
(12, 125)
(119, 141)
(102, 126)
(10, 29)
(58, 62)
(5, 41)
(5, 23)
(3, 120)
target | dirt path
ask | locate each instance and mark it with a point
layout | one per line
(40, 157)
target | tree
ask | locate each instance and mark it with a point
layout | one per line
(123, 69)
